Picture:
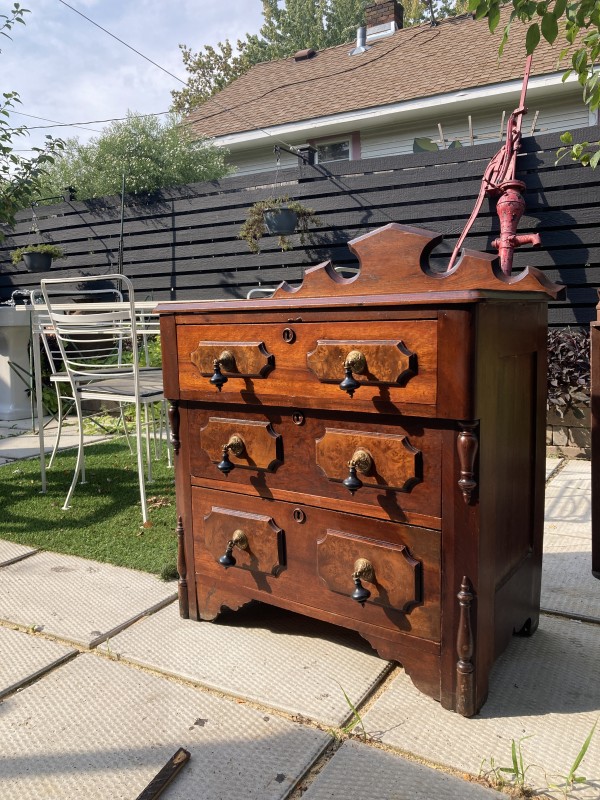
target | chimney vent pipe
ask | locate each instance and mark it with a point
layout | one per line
(361, 42)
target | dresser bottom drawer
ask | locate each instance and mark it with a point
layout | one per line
(310, 559)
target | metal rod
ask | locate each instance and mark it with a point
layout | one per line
(120, 265)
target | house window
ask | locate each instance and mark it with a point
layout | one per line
(333, 151)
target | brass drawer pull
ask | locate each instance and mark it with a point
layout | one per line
(239, 539)
(237, 447)
(227, 361)
(361, 461)
(362, 569)
(355, 362)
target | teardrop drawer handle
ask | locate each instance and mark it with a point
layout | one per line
(225, 360)
(355, 362)
(239, 539)
(237, 447)
(361, 461)
(362, 569)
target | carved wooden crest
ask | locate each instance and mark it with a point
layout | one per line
(394, 259)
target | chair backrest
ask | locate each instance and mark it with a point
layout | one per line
(96, 339)
(41, 320)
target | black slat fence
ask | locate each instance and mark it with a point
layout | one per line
(182, 244)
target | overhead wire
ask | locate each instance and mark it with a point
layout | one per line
(91, 122)
(55, 121)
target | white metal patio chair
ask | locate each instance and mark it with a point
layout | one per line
(92, 338)
(59, 377)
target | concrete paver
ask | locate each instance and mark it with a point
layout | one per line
(14, 427)
(552, 464)
(28, 446)
(568, 586)
(131, 724)
(540, 687)
(26, 657)
(75, 599)
(357, 770)
(11, 552)
(268, 655)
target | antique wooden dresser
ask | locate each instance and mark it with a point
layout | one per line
(370, 452)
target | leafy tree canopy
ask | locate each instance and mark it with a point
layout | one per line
(152, 155)
(288, 27)
(20, 178)
(576, 26)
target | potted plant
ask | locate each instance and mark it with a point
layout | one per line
(277, 216)
(37, 257)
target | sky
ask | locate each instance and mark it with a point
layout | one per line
(66, 69)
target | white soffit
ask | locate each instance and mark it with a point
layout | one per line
(410, 109)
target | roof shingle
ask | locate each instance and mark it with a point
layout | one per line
(422, 61)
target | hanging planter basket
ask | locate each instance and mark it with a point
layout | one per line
(37, 262)
(281, 221)
(36, 257)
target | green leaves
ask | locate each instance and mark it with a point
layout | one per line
(494, 17)
(577, 24)
(533, 38)
(549, 27)
(152, 155)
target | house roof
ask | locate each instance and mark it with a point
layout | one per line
(422, 61)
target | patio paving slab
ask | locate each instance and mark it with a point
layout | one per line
(15, 426)
(364, 772)
(540, 687)
(26, 657)
(260, 653)
(11, 552)
(28, 446)
(133, 723)
(568, 586)
(552, 464)
(78, 600)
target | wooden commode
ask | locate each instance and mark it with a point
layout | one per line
(370, 452)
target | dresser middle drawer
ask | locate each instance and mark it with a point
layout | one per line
(383, 470)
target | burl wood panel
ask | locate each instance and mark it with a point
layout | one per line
(249, 359)
(266, 546)
(396, 581)
(292, 382)
(399, 452)
(396, 464)
(263, 448)
(300, 584)
(386, 362)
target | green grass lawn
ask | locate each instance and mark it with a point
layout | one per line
(104, 522)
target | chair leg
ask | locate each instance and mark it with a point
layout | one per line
(124, 424)
(148, 453)
(59, 425)
(78, 465)
(140, 461)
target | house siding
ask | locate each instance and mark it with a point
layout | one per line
(569, 114)
(397, 139)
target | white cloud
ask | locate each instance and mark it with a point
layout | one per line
(67, 69)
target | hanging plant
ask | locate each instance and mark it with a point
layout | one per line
(36, 257)
(277, 216)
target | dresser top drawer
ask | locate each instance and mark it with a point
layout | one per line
(387, 366)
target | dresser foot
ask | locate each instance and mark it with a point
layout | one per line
(529, 627)
(422, 667)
